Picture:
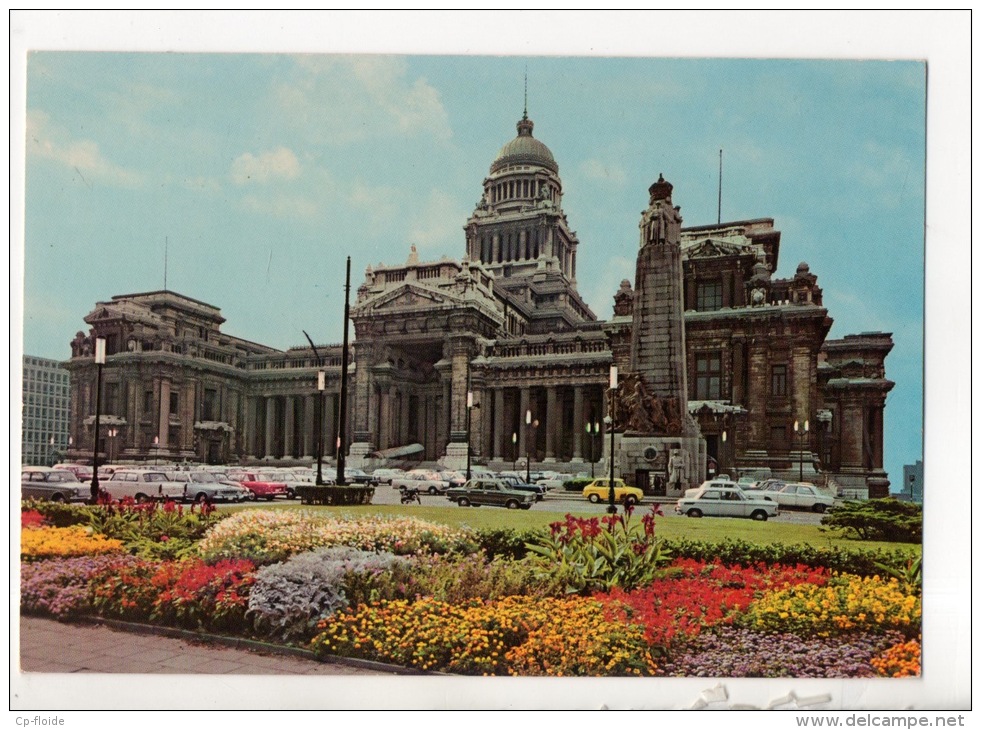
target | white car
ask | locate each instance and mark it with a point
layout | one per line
(385, 476)
(746, 489)
(143, 485)
(726, 501)
(204, 486)
(801, 496)
(424, 481)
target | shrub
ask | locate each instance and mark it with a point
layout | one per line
(58, 514)
(154, 530)
(900, 660)
(508, 542)
(878, 519)
(587, 557)
(288, 599)
(518, 635)
(61, 588)
(32, 518)
(127, 592)
(855, 561)
(41, 543)
(738, 652)
(195, 595)
(453, 579)
(267, 536)
(846, 603)
(335, 495)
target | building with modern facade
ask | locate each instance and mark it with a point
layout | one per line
(912, 487)
(765, 390)
(44, 436)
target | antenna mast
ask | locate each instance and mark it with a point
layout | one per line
(165, 263)
(719, 222)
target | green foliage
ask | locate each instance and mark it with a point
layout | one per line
(878, 519)
(588, 558)
(856, 561)
(506, 542)
(450, 578)
(909, 575)
(58, 514)
(151, 530)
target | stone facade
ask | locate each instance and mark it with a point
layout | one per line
(744, 354)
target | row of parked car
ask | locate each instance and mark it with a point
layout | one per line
(759, 500)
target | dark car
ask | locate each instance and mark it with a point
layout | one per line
(54, 485)
(492, 492)
(536, 489)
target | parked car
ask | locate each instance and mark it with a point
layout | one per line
(359, 476)
(747, 488)
(287, 477)
(454, 478)
(52, 485)
(267, 490)
(536, 489)
(143, 485)
(492, 492)
(800, 496)
(726, 501)
(203, 486)
(82, 471)
(599, 491)
(385, 476)
(424, 481)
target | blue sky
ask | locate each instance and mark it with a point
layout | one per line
(254, 175)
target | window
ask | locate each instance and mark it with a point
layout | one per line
(709, 296)
(147, 403)
(708, 376)
(778, 381)
(210, 405)
(174, 403)
(112, 399)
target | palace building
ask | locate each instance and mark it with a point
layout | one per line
(498, 351)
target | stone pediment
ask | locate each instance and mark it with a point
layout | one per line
(410, 297)
(710, 249)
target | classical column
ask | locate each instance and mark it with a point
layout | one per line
(270, 425)
(403, 436)
(551, 421)
(385, 424)
(308, 428)
(330, 423)
(498, 424)
(289, 426)
(163, 422)
(577, 424)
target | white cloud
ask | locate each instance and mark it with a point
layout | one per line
(277, 164)
(439, 224)
(47, 140)
(349, 99)
(597, 287)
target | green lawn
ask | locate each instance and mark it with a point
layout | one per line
(669, 526)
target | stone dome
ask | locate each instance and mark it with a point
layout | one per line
(524, 150)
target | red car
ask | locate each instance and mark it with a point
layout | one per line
(260, 489)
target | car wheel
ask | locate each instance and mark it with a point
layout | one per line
(819, 507)
(694, 512)
(57, 497)
(759, 515)
(463, 502)
(290, 494)
(202, 498)
(512, 504)
(141, 498)
(630, 500)
(432, 490)
(594, 498)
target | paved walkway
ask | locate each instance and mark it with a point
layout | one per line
(50, 646)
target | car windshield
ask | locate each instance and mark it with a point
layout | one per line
(61, 476)
(202, 477)
(154, 477)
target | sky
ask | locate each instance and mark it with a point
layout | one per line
(240, 158)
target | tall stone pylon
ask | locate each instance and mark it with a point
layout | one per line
(657, 352)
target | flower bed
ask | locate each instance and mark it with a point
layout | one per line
(591, 597)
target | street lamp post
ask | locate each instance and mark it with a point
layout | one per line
(612, 509)
(514, 450)
(803, 435)
(111, 433)
(321, 389)
(531, 425)
(156, 449)
(100, 360)
(470, 407)
(592, 430)
(722, 453)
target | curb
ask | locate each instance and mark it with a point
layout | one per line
(250, 645)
